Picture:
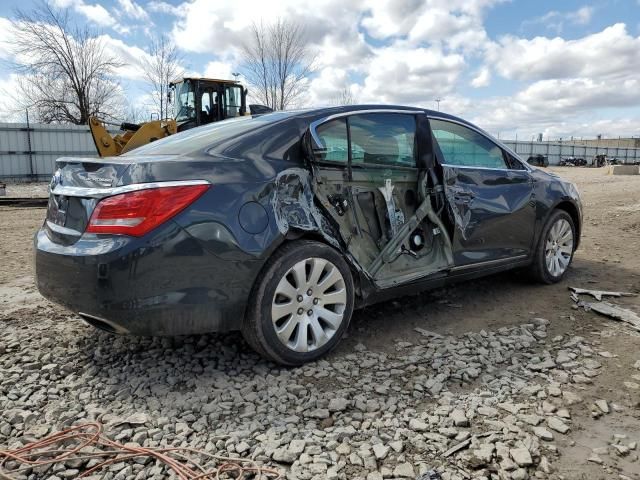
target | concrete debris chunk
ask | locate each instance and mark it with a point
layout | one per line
(594, 458)
(404, 470)
(457, 448)
(521, 456)
(418, 425)
(603, 405)
(459, 418)
(615, 312)
(558, 425)
(543, 433)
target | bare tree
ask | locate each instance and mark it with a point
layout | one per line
(344, 97)
(277, 62)
(162, 67)
(65, 72)
(136, 114)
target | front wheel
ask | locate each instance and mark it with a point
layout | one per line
(555, 248)
(301, 304)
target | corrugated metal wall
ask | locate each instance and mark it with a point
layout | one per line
(30, 153)
(556, 151)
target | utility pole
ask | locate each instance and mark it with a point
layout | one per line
(438, 100)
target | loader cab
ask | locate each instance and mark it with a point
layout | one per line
(198, 101)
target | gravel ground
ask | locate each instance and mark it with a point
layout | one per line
(494, 379)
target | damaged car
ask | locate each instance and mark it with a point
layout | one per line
(280, 225)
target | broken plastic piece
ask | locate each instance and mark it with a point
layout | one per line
(598, 294)
(430, 475)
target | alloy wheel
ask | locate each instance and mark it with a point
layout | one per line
(558, 247)
(309, 304)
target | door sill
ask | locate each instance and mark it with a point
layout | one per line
(486, 263)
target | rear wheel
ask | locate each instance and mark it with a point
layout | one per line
(555, 248)
(301, 304)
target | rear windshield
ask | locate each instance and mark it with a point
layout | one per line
(203, 137)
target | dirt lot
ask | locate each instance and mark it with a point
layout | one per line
(192, 373)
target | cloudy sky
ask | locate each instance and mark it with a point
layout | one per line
(563, 67)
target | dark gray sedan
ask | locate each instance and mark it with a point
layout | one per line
(280, 225)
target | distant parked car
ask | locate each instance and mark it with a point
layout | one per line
(279, 225)
(573, 162)
(538, 160)
(603, 161)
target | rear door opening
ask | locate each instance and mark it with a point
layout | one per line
(371, 178)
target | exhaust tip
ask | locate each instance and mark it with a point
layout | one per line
(102, 324)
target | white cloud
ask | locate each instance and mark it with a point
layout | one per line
(611, 52)
(122, 18)
(131, 9)
(582, 16)
(5, 37)
(456, 23)
(553, 105)
(164, 7)
(554, 20)
(216, 69)
(482, 79)
(131, 55)
(325, 87)
(10, 110)
(403, 74)
(96, 13)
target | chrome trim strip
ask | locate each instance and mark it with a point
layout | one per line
(315, 124)
(489, 262)
(63, 230)
(69, 191)
(469, 167)
(484, 134)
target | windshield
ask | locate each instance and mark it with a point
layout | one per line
(185, 106)
(203, 137)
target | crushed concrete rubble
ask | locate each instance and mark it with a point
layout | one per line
(364, 415)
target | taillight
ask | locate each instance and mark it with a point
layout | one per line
(139, 212)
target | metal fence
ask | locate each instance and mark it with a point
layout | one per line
(556, 151)
(28, 152)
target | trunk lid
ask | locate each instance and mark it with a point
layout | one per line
(74, 190)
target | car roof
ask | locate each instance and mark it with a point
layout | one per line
(356, 108)
(320, 112)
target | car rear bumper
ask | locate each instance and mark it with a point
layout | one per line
(165, 283)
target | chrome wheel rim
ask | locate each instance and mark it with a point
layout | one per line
(559, 247)
(309, 304)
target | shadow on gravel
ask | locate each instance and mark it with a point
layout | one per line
(500, 300)
(492, 302)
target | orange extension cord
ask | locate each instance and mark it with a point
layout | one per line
(75, 439)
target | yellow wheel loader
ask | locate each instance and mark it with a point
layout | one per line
(196, 101)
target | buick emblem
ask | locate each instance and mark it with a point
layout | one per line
(55, 181)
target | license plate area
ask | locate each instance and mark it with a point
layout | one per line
(57, 209)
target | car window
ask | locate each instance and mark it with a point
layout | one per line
(383, 139)
(465, 147)
(333, 139)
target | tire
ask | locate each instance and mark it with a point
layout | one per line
(286, 330)
(554, 238)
